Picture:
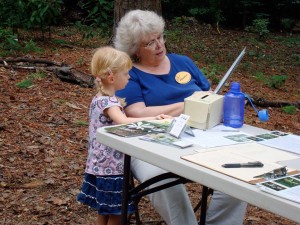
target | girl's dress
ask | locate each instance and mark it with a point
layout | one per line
(103, 179)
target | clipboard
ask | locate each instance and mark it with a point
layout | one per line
(214, 158)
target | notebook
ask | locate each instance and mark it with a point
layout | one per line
(229, 72)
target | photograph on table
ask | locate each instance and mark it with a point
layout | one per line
(137, 129)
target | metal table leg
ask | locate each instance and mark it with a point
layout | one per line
(203, 205)
(125, 189)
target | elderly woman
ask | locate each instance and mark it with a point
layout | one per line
(159, 83)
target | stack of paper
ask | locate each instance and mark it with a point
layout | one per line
(286, 187)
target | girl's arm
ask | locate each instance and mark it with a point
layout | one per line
(119, 117)
(139, 109)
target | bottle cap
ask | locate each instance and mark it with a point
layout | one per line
(263, 115)
(235, 86)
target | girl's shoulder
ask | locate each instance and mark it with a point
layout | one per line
(106, 101)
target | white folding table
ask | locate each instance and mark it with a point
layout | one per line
(168, 158)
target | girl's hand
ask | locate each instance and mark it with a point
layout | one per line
(163, 116)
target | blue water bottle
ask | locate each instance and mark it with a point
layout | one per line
(234, 107)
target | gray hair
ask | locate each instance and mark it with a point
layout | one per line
(134, 27)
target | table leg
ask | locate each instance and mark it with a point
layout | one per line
(125, 199)
(203, 205)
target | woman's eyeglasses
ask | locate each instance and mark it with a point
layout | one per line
(153, 44)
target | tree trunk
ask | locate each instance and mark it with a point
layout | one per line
(121, 7)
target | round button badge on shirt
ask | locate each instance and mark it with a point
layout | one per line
(183, 77)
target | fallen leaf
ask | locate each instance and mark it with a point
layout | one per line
(39, 208)
(34, 184)
(58, 201)
(252, 218)
(72, 105)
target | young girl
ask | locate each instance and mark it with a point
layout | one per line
(102, 185)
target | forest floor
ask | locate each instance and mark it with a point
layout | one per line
(43, 131)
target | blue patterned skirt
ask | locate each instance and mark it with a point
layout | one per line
(104, 194)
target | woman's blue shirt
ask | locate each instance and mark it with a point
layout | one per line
(157, 90)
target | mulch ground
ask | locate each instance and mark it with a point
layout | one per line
(43, 137)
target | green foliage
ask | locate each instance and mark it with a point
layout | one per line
(246, 65)
(257, 52)
(81, 123)
(28, 82)
(25, 83)
(9, 44)
(287, 23)
(30, 14)
(260, 27)
(90, 31)
(251, 3)
(96, 16)
(30, 46)
(64, 42)
(290, 109)
(197, 56)
(67, 33)
(43, 12)
(174, 38)
(13, 13)
(182, 21)
(259, 76)
(8, 40)
(212, 12)
(296, 59)
(276, 81)
(99, 15)
(289, 41)
(234, 13)
(212, 71)
(60, 41)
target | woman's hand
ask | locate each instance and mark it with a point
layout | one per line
(163, 116)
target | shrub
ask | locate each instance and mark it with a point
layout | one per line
(276, 81)
(290, 109)
(29, 81)
(260, 27)
(287, 24)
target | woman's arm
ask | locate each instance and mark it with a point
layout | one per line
(139, 109)
(119, 117)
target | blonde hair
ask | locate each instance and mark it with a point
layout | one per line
(107, 60)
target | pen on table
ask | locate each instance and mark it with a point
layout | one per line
(247, 165)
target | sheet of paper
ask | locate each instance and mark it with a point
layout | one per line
(285, 187)
(290, 143)
(291, 163)
(260, 152)
(215, 137)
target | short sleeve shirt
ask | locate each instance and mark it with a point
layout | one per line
(102, 160)
(157, 90)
